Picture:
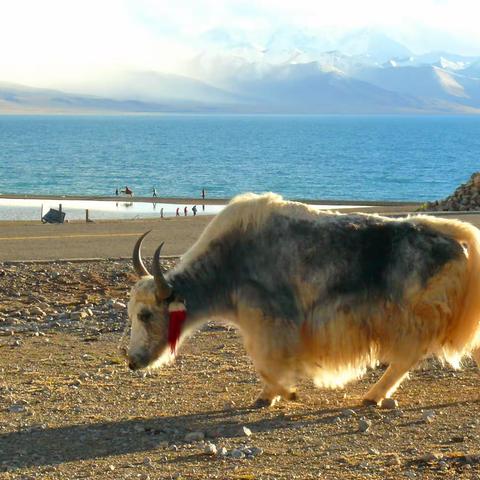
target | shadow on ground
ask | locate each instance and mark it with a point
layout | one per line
(36, 447)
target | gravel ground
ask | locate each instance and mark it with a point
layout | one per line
(69, 407)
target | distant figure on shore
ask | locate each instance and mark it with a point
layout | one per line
(161, 212)
(185, 211)
(116, 191)
(178, 212)
(203, 193)
(194, 210)
(127, 191)
(154, 192)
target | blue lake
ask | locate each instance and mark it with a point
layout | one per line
(315, 157)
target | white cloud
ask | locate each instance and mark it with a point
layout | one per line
(63, 39)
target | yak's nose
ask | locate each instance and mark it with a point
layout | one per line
(133, 364)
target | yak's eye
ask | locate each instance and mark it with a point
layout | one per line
(145, 315)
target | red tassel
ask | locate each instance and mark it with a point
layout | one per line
(176, 319)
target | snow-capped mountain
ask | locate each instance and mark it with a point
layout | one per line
(288, 72)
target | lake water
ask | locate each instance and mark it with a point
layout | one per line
(34, 209)
(315, 157)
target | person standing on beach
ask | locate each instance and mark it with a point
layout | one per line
(161, 212)
(154, 192)
(203, 193)
(185, 211)
(194, 210)
(178, 212)
(116, 192)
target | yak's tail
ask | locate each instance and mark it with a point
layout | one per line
(465, 335)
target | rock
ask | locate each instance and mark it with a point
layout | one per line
(236, 453)
(428, 416)
(256, 451)
(431, 457)
(210, 449)
(389, 403)
(194, 437)
(348, 412)
(116, 305)
(364, 425)
(80, 315)
(17, 408)
(247, 432)
(222, 452)
(393, 460)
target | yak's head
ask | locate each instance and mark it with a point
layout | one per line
(148, 310)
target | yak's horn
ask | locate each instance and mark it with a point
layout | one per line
(140, 268)
(164, 290)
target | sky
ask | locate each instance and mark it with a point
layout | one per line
(45, 42)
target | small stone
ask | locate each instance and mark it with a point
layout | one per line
(147, 461)
(247, 431)
(389, 404)
(364, 425)
(210, 449)
(116, 305)
(78, 315)
(348, 412)
(111, 468)
(431, 457)
(17, 408)
(393, 460)
(256, 451)
(236, 453)
(428, 416)
(194, 437)
(222, 452)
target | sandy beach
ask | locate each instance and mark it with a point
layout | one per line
(71, 409)
(32, 240)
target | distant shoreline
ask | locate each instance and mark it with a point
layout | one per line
(206, 201)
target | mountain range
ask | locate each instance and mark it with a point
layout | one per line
(369, 74)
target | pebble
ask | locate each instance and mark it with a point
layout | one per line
(17, 408)
(222, 451)
(210, 449)
(428, 416)
(348, 412)
(247, 432)
(194, 437)
(364, 425)
(431, 457)
(389, 404)
(393, 460)
(236, 453)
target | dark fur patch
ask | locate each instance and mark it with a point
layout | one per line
(365, 258)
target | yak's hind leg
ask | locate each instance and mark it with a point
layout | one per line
(388, 383)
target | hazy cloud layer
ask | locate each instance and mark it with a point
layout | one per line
(51, 42)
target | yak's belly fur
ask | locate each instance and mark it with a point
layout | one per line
(347, 293)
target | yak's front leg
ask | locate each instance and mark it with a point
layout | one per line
(273, 390)
(388, 383)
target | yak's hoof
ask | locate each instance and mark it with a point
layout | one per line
(262, 403)
(368, 402)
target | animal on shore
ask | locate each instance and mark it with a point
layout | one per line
(316, 294)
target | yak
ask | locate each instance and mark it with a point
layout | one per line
(319, 295)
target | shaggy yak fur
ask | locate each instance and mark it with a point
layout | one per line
(319, 294)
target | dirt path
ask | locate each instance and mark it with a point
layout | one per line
(69, 407)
